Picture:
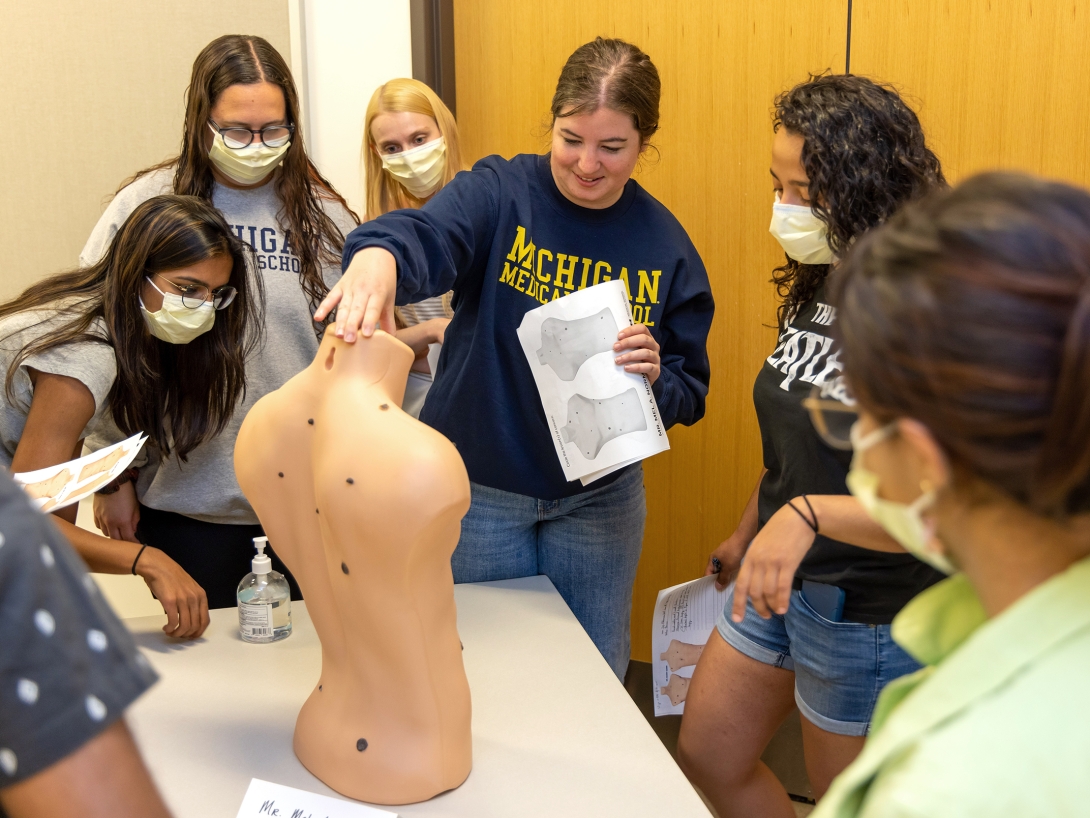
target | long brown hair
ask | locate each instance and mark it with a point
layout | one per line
(179, 395)
(613, 74)
(384, 192)
(864, 152)
(236, 59)
(970, 312)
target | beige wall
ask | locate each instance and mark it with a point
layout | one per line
(90, 94)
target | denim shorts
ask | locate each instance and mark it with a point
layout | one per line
(840, 667)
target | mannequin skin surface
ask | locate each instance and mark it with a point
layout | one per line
(364, 505)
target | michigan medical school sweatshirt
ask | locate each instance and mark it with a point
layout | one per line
(506, 241)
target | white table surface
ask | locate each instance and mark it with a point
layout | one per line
(554, 732)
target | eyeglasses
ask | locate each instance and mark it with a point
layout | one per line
(832, 411)
(194, 295)
(236, 138)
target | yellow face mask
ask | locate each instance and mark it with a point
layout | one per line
(419, 170)
(176, 323)
(246, 166)
(904, 523)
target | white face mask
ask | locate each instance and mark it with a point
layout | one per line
(904, 523)
(176, 323)
(420, 169)
(245, 166)
(801, 234)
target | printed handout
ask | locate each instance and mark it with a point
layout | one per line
(684, 617)
(602, 418)
(62, 485)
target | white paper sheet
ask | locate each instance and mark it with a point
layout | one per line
(602, 418)
(62, 485)
(264, 798)
(684, 618)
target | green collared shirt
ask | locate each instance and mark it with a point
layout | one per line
(997, 723)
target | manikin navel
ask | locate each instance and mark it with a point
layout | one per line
(364, 505)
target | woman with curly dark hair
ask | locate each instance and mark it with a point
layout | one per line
(809, 618)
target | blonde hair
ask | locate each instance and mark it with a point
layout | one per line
(384, 192)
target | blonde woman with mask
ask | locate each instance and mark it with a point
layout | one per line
(410, 151)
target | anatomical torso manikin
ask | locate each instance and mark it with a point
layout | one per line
(364, 504)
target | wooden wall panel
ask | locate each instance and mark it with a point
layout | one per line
(997, 83)
(721, 64)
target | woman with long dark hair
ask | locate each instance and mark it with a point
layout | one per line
(151, 338)
(242, 151)
(808, 623)
(966, 338)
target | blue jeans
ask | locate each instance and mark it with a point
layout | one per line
(587, 545)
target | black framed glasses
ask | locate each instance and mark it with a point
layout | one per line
(833, 411)
(194, 295)
(272, 136)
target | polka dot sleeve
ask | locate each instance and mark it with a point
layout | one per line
(68, 667)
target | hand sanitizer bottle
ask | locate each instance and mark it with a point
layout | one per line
(264, 600)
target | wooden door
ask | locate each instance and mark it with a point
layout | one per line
(997, 83)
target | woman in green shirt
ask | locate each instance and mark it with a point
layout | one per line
(966, 329)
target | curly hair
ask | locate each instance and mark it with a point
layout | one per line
(865, 155)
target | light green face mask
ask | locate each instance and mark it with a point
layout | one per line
(902, 522)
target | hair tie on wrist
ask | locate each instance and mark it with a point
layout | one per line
(138, 555)
(812, 523)
(813, 513)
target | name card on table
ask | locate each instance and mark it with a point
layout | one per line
(267, 800)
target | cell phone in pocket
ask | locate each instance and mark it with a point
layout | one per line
(826, 600)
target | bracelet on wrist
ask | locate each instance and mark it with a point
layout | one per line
(139, 554)
(812, 520)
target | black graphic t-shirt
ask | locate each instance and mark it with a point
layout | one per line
(506, 241)
(876, 584)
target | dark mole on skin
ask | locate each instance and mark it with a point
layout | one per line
(281, 473)
(344, 567)
(310, 421)
(384, 407)
(361, 745)
(350, 481)
(319, 688)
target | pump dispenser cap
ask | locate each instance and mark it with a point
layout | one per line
(262, 564)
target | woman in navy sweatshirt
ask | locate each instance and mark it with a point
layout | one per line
(509, 236)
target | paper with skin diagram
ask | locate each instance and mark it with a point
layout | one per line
(62, 485)
(601, 417)
(684, 617)
(264, 798)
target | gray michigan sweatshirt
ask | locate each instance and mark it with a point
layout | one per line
(204, 487)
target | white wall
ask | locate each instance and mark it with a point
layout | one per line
(349, 47)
